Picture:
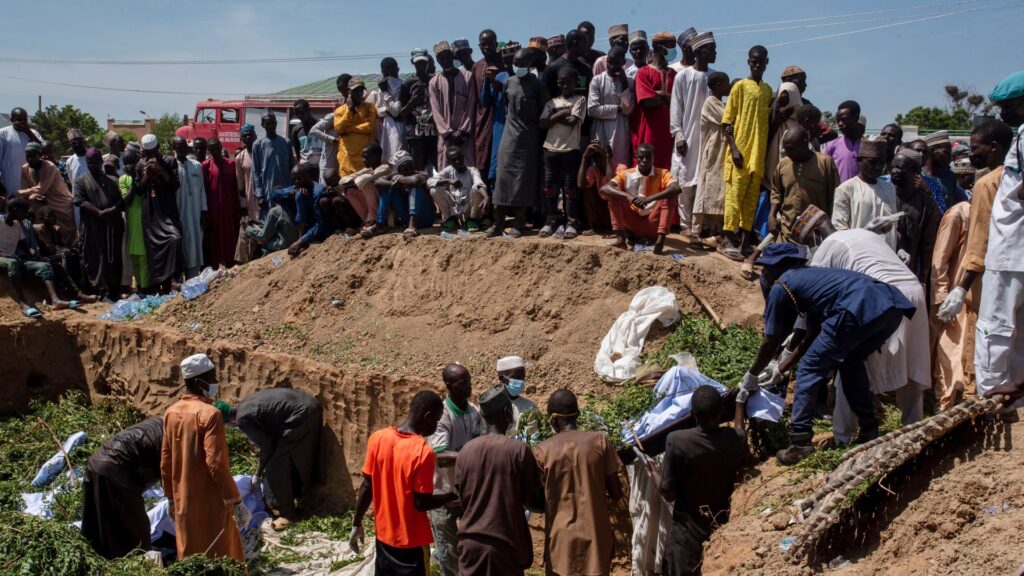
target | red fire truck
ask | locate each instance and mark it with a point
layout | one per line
(224, 118)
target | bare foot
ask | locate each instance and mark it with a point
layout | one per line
(618, 243)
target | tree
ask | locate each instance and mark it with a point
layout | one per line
(128, 136)
(958, 115)
(164, 130)
(53, 123)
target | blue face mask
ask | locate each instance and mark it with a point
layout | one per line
(520, 71)
(515, 387)
(672, 55)
(211, 391)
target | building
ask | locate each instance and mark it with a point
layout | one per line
(138, 127)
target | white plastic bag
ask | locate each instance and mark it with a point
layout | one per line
(619, 355)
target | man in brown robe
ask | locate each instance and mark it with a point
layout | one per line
(485, 113)
(196, 471)
(804, 177)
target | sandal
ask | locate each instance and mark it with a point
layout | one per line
(696, 244)
(513, 233)
(73, 304)
(747, 271)
(731, 253)
(710, 243)
(546, 231)
(569, 233)
(32, 313)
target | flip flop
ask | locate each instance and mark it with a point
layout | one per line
(569, 233)
(32, 313)
(546, 231)
(73, 304)
(731, 253)
(747, 271)
(710, 243)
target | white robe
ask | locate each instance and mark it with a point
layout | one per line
(191, 203)
(391, 130)
(689, 91)
(609, 107)
(856, 203)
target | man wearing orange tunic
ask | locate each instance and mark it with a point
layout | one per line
(195, 469)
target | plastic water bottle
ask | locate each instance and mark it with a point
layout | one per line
(447, 235)
(464, 234)
(276, 261)
(193, 288)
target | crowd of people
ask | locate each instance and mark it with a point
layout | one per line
(894, 265)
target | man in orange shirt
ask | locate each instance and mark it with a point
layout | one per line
(196, 471)
(398, 478)
(642, 200)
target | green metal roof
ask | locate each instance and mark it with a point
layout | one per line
(327, 86)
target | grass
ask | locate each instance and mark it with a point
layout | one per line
(286, 331)
(721, 356)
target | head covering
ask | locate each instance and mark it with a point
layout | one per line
(781, 252)
(702, 39)
(401, 158)
(494, 401)
(806, 222)
(74, 133)
(33, 147)
(441, 47)
(93, 152)
(225, 409)
(247, 128)
(109, 137)
(1008, 88)
(539, 43)
(134, 148)
(356, 83)
(618, 30)
(937, 138)
(196, 365)
(792, 71)
(910, 153)
(510, 363)
(873, 149)
(149, 142)
(461, 44)
(419, 55)
(558, 40)
(637, 35)
(795, 101)
(511, 47)
(687, 36)
(664, 37)
(960, 167)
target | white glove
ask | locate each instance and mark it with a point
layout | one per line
(356, 539)
(952, 305)
(750, 382)
(904, 257)
(242, 516)
(882, 224)
(741, 398)
(770, 376)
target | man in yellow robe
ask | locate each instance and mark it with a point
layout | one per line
(355, 122)
(195, 469)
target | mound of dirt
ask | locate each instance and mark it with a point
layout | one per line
(955, 510)
(397, 307)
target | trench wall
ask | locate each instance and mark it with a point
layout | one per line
(139, 364)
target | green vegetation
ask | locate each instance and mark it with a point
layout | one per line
(721, 356)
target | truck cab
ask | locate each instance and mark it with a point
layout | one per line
(224, 118)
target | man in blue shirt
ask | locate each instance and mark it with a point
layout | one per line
(271, 162)
(848, 316)
(309, 214)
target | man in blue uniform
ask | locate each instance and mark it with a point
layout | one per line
(848, 316)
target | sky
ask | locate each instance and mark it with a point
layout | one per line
(971, 43)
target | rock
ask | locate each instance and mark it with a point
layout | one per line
(761, 552)
(948, 529)
(779, 521)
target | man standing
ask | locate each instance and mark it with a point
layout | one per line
(285, 426)
(804, 177)
(243, 173)
(575, 43)
(892, 135)
(112, 160)
(484, 70)
(709, 197)
(916, 230)
(610, 102)
(1000, 339)
(860, 200)
(495, 477)
(271, 162)
(849, 316)
(114, 519)
(199, 149)
(192, 208)
(453, 104)
(76, 163)
(654, 95)
(556, 47)
(512, 375)
(421, 134)
(588, 53)
(306, 147)
(13, 140)
(156, 182)
(639, 50)
(746, 127)
(388, 99)
(925, 182)
(618, 35)
(518, 153)
(686, 55)
(355, 122)
(99, 201)
(843, 151)
(464, 54)
(689, 91)
(642, 201)
(398, 479)
(990, 142)
(460, 423)
(936, 165)
(580, 475)
(42, 185)
(698, 473)
(195, 469)
(223, 210)
(948, 338)
(134, 238)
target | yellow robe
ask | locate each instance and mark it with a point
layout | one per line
(355, 130)
(196, 475)
(747, 110)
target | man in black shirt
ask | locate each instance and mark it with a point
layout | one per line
(698, 473)
(575, 47)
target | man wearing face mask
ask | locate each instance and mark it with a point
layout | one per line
(453, 104)
(196, 471)
(1000, 338)
(512, 374)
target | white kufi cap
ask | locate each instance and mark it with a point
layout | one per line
(195, 365)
